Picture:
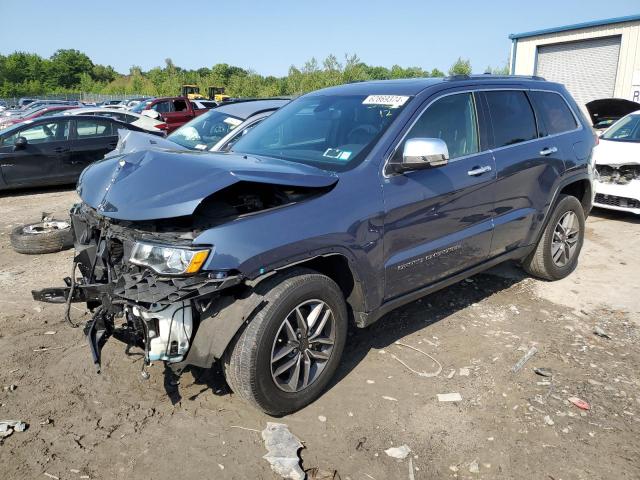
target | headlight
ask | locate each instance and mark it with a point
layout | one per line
(168, 260)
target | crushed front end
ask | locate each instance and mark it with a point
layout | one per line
(143, 283)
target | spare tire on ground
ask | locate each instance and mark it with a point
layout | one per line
(42, 237)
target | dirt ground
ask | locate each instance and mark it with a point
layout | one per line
(513, 426)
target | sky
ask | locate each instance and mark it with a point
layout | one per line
(271, 35)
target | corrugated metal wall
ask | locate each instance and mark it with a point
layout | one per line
(628, 59)
(588, 68)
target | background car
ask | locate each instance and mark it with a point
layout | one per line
(144, 122)
(37, 104)
(55, 150)
(617, 165)
(174, 111)
(41, 112)
(229, 122)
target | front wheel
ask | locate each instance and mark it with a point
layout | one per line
(556, 254)
(289, 351)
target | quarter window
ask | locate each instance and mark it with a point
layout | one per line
(452, 119)
(553, 112)
(511, 116)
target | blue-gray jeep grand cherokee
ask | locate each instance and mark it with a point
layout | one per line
(343, 205)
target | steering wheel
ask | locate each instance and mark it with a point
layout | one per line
(367, 130)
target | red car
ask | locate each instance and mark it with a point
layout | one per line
(174, 111)
(43, 112)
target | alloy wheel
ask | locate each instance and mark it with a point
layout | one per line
(303, 346)
(565, 239)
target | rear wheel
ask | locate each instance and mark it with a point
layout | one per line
(288, 353)
(556, 254)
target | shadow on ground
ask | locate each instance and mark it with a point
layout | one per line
(392, 327)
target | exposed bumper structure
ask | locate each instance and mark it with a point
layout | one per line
(618, 188)
(160, 314)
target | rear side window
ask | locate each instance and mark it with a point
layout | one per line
(553, 113)
(94, 128)
(511, 116)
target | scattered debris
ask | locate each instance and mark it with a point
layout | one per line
(600, 332)
(7, 427)
(578, 402)
(451, 374)
(420, 374)
(282, 451)
(548, 420)
(400, 452)
(449, 397)
(322, 418)
(411, 475)
(220, 466)
(474, 467)
(464, 372)
(391, 399)
(361, 442)
(245, 428)
(371, 382)
(316, 473)
(51, 476)
(527, 356)
(46, 349)
(50, 332)
(543, 372)
(10, 388)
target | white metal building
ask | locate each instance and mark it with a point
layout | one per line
(595, 60)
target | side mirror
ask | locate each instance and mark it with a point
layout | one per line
(21, 143)
(421, 153)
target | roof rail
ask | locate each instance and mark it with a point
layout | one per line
(490, 76)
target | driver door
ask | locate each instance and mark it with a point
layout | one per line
(439, 221)
(40, 161)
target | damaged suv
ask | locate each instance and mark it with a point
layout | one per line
(341, 206)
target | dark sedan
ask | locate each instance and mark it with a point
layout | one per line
(54, 150)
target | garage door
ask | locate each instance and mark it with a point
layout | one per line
(587, 67)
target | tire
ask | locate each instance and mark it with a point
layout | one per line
(248, 361)
(42, 237)
(540, 263)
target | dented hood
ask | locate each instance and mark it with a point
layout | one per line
(155, 184)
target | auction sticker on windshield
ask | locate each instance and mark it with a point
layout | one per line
(393, 101)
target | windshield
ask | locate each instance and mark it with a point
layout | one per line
(330, 132)
(140, 107)
(205, 131)
(626, 129)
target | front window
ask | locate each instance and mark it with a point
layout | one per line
(205, 131)
(451, 119)
(626, 129)
(41, 133)
(331, 132)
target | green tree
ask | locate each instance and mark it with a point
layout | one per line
(460, 67)
(66, 67)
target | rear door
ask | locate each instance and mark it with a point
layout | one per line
(439, 221)
(41, 161)
(527, 168)
(92, 138)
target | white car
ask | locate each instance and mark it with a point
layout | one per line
(142, 121)
(617, 166)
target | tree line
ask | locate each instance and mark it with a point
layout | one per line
(71, 71)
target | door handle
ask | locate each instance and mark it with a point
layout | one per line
(61, 149)
(479, 171)
(548, 151)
